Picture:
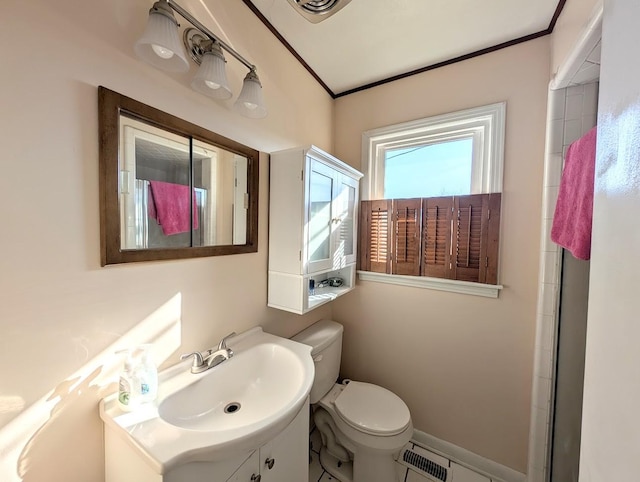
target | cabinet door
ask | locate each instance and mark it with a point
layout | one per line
(345, 222)
(321, 191)
(288, 453)
(251, 468)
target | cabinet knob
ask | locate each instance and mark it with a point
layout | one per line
(256, 478)
(270, 463)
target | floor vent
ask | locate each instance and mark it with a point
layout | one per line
(421, 461)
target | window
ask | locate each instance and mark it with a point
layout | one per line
(432, 199)
(433, 169)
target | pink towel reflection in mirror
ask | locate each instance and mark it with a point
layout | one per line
(169, 205)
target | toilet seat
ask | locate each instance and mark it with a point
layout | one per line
(372, 409)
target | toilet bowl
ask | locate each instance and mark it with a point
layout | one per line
(363, 426)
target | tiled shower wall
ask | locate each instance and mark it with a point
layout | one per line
(571, 113)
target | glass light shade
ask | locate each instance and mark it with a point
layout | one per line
(211, 78)
(250, 102)
(160, 44)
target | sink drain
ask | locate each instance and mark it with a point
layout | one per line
(233, 407)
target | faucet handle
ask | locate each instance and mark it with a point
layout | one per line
(198, 361)
(223, 343)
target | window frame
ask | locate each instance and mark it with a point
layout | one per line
(487, 126)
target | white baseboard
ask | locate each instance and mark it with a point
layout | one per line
(497, 472)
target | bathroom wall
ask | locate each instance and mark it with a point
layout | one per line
(610, 417)
(462, 363)
(61, 315)
(575, 15)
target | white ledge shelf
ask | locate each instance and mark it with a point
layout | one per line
(440, 284)
(324, 295)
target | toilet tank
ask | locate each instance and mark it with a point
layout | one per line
(325, 339)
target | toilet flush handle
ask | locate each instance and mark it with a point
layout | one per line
(317, 358)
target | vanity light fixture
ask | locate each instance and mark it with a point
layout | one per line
(250, 102)
(160, 46)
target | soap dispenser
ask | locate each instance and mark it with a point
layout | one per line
(126, 384)
(147, 375)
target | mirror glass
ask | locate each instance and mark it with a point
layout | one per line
(174, 189)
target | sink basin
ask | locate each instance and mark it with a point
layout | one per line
(245, 390)
(230, 409)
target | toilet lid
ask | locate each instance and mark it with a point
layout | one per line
(372, 409)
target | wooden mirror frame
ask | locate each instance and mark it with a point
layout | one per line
(110, 106)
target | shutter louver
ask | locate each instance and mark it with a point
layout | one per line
(436, 236)
(443, 237)
(375, 245)
(406, 240)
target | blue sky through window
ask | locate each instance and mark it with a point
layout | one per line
(442, 169)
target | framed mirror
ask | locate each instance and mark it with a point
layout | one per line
(170, 189)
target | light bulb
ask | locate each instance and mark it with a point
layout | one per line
(212, 85)
(250, 105)
(162, 52)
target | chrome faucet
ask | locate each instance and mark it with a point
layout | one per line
(211, 358)
(221, 354)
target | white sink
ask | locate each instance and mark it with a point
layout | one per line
(233, 407)
(244, 391)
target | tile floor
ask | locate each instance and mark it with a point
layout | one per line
(318, 474)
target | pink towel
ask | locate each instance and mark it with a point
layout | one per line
(169, 204)
(571, 227)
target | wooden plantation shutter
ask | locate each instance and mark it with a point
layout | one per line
(469, 230)
(475, 253)
(406, 237)
(375, 236)
(443, 237)
(436, 236)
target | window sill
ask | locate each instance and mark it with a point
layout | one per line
(440, 284)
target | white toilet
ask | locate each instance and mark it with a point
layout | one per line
(363, 426)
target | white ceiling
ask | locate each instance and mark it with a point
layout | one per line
(371, 40)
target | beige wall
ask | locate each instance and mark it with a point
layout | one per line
(610, 417)
(61, 315)
(462, 363)
(571, 23)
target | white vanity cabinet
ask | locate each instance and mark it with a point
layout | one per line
(284, 459)
(289, 451)
(313, 222)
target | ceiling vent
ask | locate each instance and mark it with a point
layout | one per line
(317, 10)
